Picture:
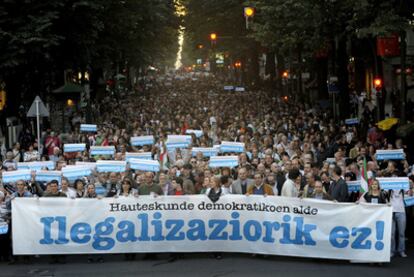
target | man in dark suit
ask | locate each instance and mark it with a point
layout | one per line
(338, 188)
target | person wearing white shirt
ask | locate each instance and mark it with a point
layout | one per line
(70, 192)
(291, 187)
(399, 221)
(225, 185)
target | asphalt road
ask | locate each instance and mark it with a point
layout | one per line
(203, 264)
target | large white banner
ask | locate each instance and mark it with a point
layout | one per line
(235, 223)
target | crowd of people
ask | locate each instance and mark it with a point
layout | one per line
(291, 150)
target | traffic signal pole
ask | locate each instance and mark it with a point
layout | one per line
(403, 92)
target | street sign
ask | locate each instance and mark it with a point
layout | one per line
(332, 88)
(43, 112)
(305, 75)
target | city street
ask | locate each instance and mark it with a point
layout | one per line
(203, 265)
(231, 138)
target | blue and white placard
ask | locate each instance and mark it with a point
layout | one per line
(330, 160)
(145, 165)
(178, 141)
(103, 150)
(4, 228)
(224, 161)
(13, 176)
(352, 121)
(89, 128)
(207, 151)
(186, 138)
(354, 186)
(397, 154)
(91, 165)
(76, 171)
(25, 165)
(37, 166)
(74, 147)
(110, 166)
(409, 201)
(394, 183)
(228, 87)
(138, 155)
(234, 147)
(142, 140)
(47, 176)
(239, 89)
(197, 133)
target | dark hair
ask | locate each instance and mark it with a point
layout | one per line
(351, 176)
(224, 179)
(127, 181)
(54, 182)
(337, 170)
(77, 181)
(179, 180)
(293, 173)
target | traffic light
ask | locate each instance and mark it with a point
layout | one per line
(213, 38)
(248, 12)
(285, 74)
(378, 84)
(2, 99)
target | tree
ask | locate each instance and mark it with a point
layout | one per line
(40, 39)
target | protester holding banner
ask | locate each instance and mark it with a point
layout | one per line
(21, 190)
(53, 190)
(68, 191)
(374, 194)
(112, 185)
(259, 187)
(165, 184)
(126, 189)
(177, 184)
(80, 188)
(149, 186)
(5, 229)
(398, 223)
(276, 140)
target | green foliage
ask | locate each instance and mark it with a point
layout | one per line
(223, 17)
(81, 33)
